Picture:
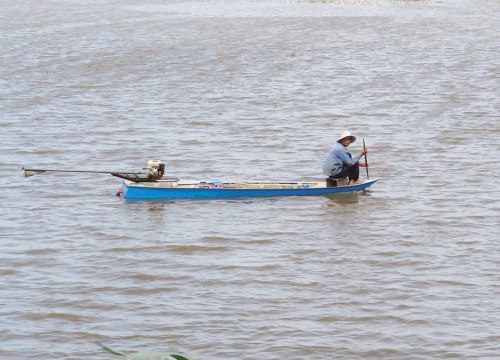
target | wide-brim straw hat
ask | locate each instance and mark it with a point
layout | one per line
(347, 134)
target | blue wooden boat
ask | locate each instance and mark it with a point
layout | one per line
(181, 189)
(153, 185)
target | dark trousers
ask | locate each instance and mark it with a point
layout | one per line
(352, 172)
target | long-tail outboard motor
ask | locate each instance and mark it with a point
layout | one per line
(155, 170)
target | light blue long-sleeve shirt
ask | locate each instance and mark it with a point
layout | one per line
(338, 155)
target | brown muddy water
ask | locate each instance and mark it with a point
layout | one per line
(250, 90)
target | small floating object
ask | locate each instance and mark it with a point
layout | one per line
(143, 355)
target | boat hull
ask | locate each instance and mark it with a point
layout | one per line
(156, 191)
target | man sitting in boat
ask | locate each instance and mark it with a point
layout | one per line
(339, 164)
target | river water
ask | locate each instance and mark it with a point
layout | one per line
(250, 90)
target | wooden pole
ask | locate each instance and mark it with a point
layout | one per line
(366, 161)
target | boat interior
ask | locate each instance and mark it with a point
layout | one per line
(192, 184)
